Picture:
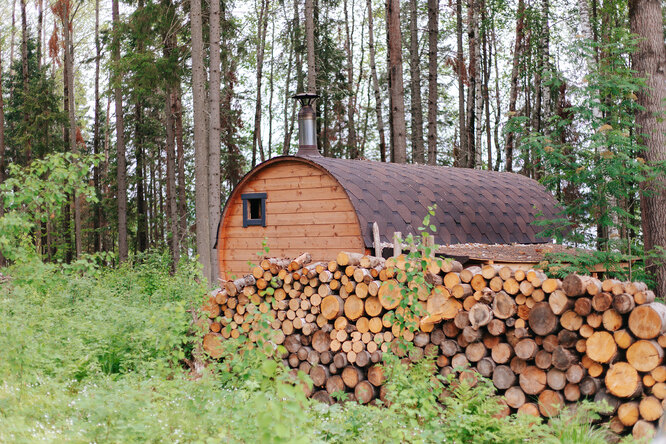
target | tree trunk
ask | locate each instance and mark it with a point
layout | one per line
(473, 88)
(649, 60)
(498, 103)
(397, 90)
(233, 169)
(461, 153)
(513, 90)
(287, 96)
(375, 85)
(433, 37)
(97, 220)
(487, 55)
(271, 90)
(153, 228)
(13, 36)
(26, 79)
(2, 151)
(351, 104)
(72, 143)
(141, 211)
(262, 26)
(310, 43)
(200, 150)
(40, 26)
(418, 154)
(173, 237)
(120, 141)
(172, 206)
(214, 191)
(177, 107)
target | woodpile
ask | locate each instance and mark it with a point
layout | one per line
(543, 342)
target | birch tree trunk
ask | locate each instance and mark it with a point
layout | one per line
(214, 191)
(418, 154)
(120, 141)
(375, 84)
(433, 37)
(649, 60)
(397, 89)
(200, 149)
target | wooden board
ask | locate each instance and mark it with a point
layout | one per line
(312, 231)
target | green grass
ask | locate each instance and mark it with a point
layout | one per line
(90, 355)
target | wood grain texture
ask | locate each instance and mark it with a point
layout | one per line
(305, 206)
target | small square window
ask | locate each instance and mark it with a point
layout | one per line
(254, 209)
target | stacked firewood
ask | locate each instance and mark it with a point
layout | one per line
(543, 342)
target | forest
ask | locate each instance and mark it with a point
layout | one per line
(125, 125)
(145, 114)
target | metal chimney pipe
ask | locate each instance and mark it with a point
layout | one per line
(307, 125)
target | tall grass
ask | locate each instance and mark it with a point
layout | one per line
(98, 355)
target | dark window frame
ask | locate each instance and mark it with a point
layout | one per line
(247, 222)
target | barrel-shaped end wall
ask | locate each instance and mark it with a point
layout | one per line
(306, 209)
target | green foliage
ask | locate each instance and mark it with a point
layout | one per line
(33, 119)
(472, 415)
(36, 193)
(414, 389)
(577, 425)
(590, 157)
(95, 355)
(416, 261)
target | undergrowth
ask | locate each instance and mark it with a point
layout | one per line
(101, 355)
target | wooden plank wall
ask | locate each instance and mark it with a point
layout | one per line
(306, 210)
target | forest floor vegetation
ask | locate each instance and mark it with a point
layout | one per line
(91, 354)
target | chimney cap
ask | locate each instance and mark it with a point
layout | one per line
(306, 98)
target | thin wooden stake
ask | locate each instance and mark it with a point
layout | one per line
(376, 239)
(397, 243)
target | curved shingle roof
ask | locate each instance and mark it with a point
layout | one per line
(473, 206)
